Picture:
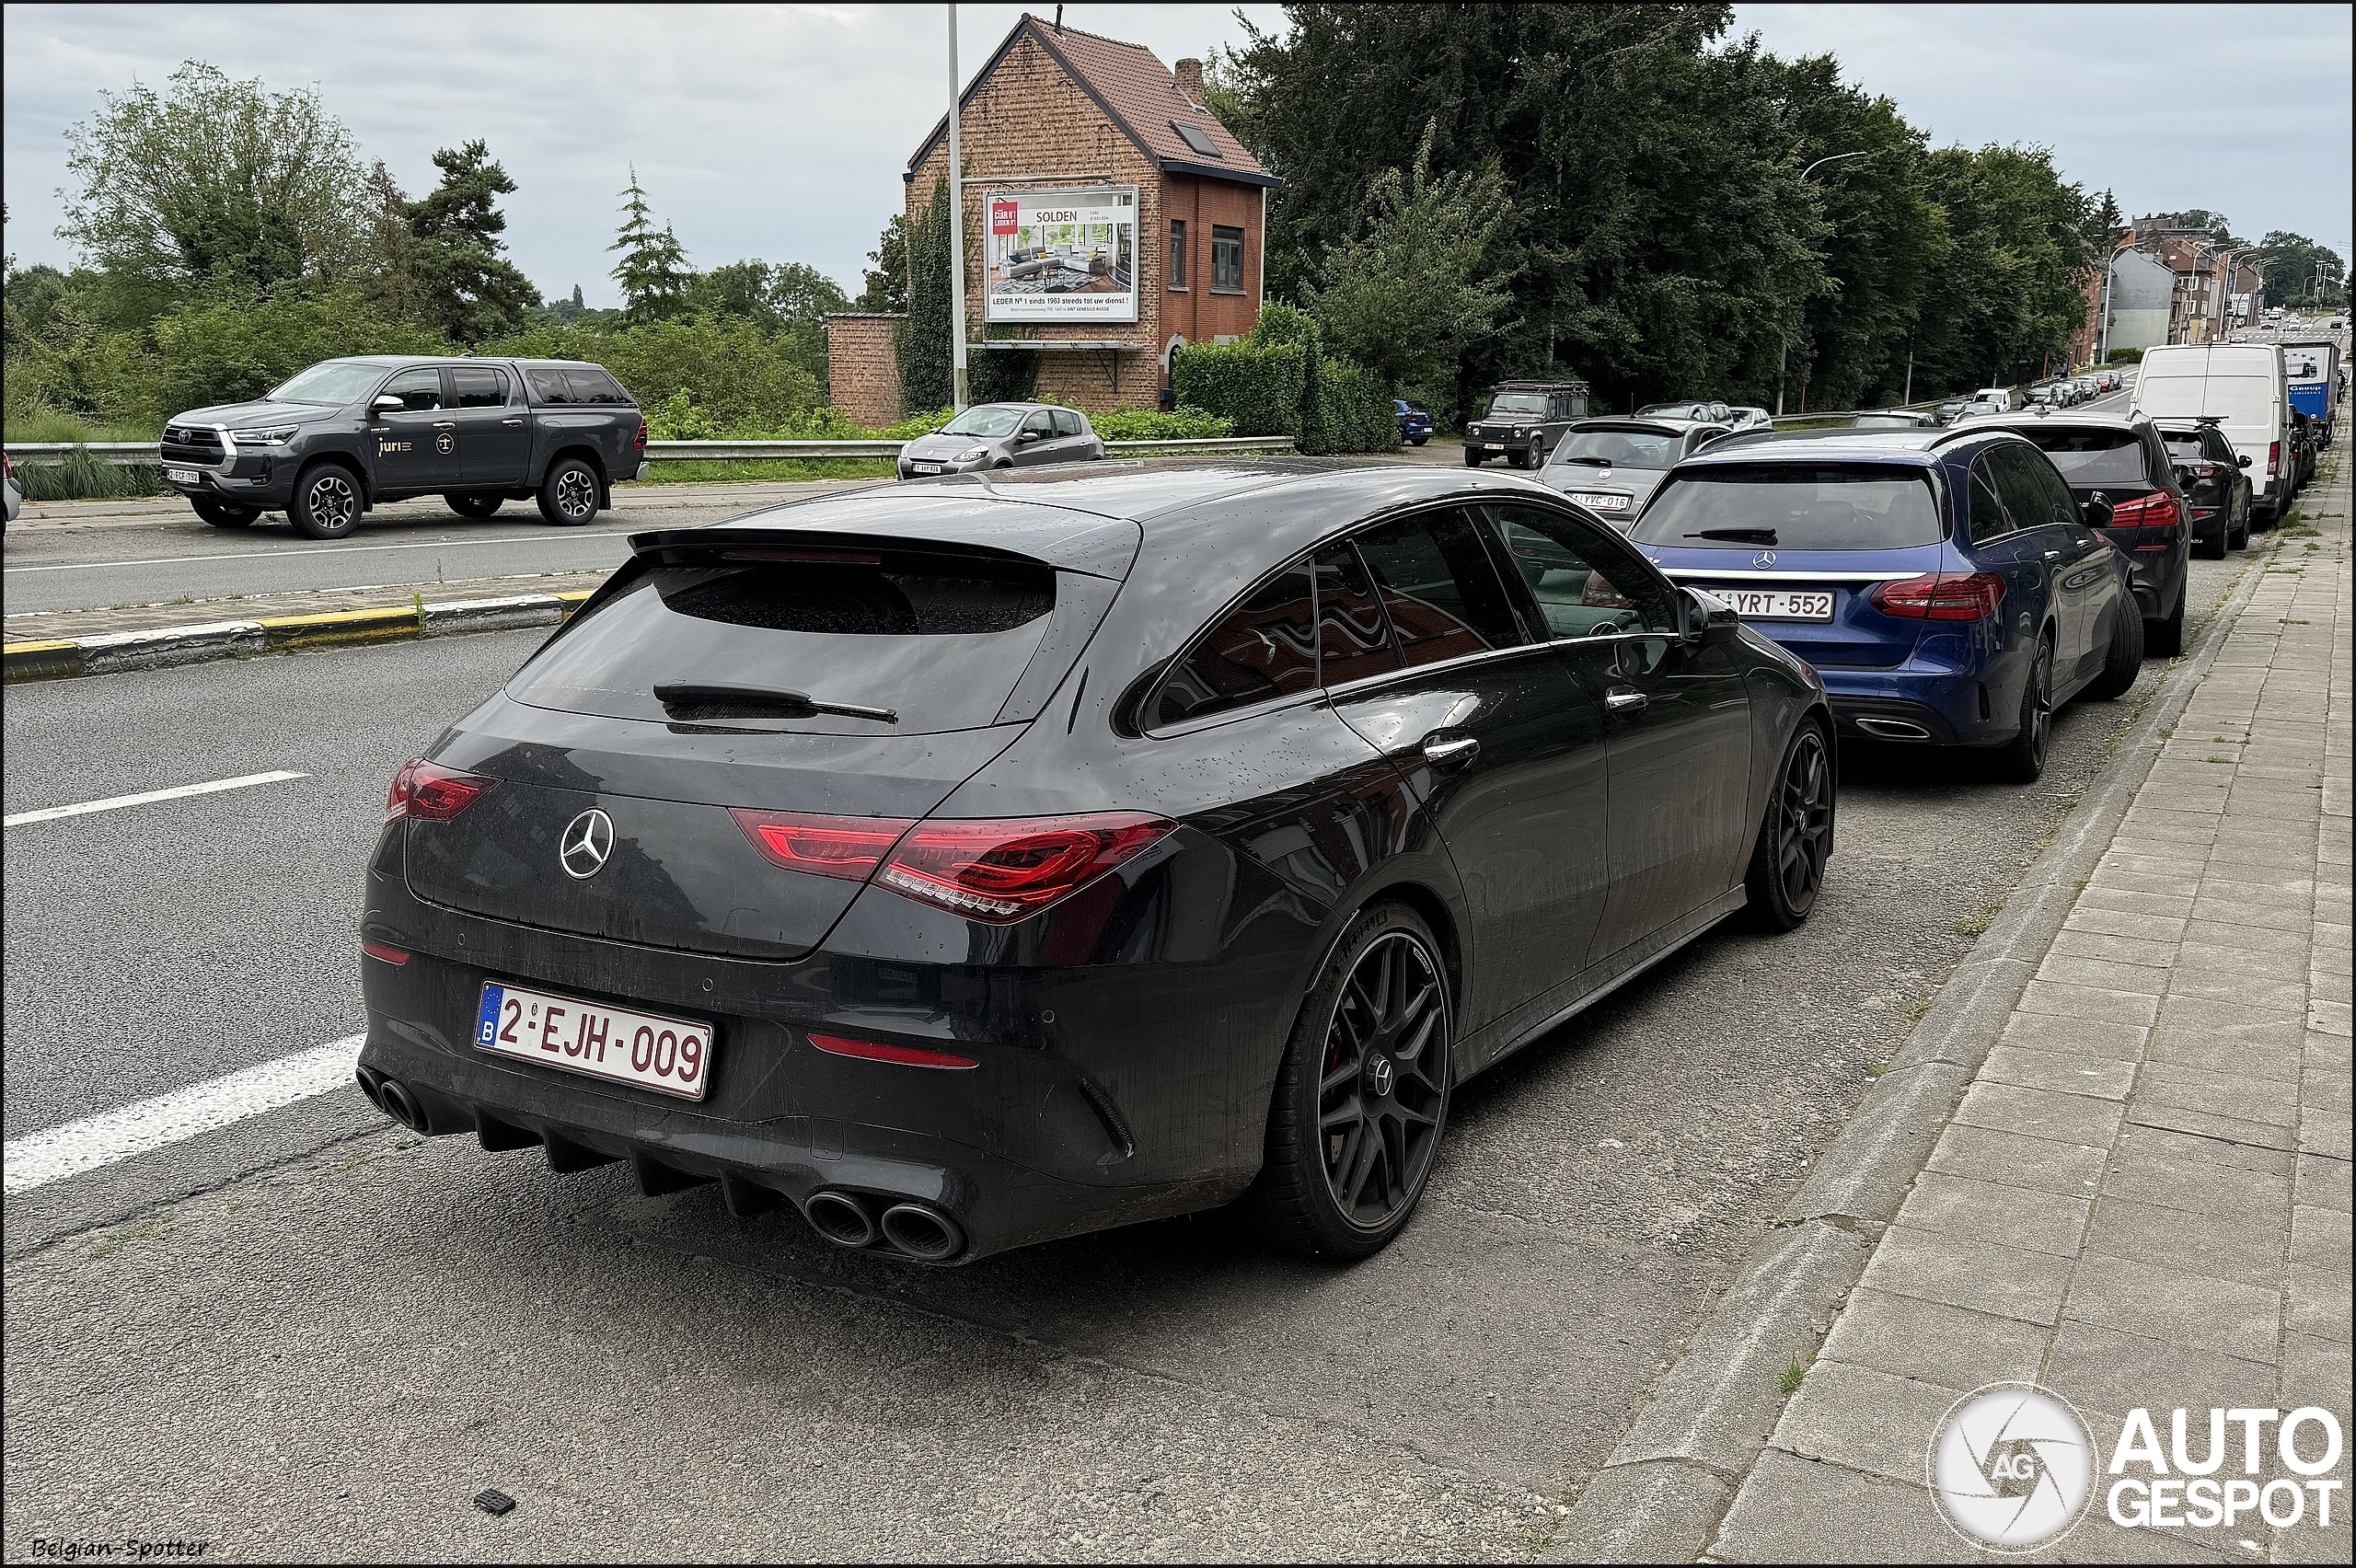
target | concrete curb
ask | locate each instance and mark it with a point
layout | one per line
(1663, 1489)
(157, 647)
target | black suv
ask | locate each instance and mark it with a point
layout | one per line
(2210, 472)
(349, 434)
(1523, 421)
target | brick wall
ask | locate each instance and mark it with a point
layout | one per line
(862, 373)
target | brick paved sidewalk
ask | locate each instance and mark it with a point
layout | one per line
(2143, 1198)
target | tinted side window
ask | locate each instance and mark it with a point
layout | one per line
(1586, 584)
(1440, 587)
(593, 385)
(1069, 423)
(2039, 495)
(1353, 639)
(1990, 517)
(1266, 647)
(549, 386)
(481, 387)
(419, 390)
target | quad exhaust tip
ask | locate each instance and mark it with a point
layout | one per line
(398, 1103)
(1894, 729)
(842, 1220)
(923, 1233)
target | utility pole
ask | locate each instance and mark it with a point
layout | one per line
(1784, 354)
(956, 233)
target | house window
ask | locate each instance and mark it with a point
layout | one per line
(1177, 253)
(1227, 259)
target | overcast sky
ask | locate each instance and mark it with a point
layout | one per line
(780, 131)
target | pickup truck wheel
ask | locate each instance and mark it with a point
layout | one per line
(476, 505)
(224, 514)
(569, 494)
(326, 504)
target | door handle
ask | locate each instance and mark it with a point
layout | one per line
(2053, 555)
(1451, 753)
(1625, 701)
(517, 423)
(445, 425)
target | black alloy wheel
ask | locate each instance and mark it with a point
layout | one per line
(224, 514)
(476, 504)
(2238, 539)
(1787, 863)
(569, 494)
(2023, 759)
(2123, 659)
(1363, 1096)
(326, 504)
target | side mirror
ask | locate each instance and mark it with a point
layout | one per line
(386, 403)
(2242, 461)
(1025, 437)
(1697, 612)
(2097, 514)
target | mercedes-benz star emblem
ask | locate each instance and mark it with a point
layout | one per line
(588, 840)
(1763, 559)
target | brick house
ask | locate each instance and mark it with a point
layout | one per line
(1053, 108)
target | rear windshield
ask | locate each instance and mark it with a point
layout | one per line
(938, 644)
(1812, 506)
(1621, 448)
(2094, 457)
(2184, 443)
(587, 384)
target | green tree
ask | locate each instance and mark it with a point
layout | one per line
(469, 292)
(654, 271)
(215, 178)
(1417, 283)
(887, 281)
(926, 376)
(2291, 264)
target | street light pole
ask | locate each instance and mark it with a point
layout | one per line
(1783, 353)
(956, 234)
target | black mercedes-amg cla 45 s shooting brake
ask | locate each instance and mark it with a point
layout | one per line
(1001, 857)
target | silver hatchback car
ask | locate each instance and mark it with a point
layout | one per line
(1002, 435)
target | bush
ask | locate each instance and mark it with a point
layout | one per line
(1151, 424)
(1257, 391)
(2125, 356)
(743, 381)
(82, 477)
(1351, 411)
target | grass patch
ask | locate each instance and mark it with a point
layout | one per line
(1793, 1375)
(47, 424)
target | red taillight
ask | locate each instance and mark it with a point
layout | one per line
(846, 848)
(431, 792)
(1003, 871)
(2274, 459)
(383, 953)
(640, 442)
(1941, 595)
(2157, 510)
(876, 1051)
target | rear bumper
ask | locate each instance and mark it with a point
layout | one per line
(1970, 708)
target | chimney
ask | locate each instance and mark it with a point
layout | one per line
(1190, 79)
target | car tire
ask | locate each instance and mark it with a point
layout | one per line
(568, 492)
(474, 505)
(1417, 441)
(1471, 458)
(1372, 1058)
(224, 514)
(1786, 869)
(326, 504)
(2214, 549)
(2164, 639)
(2022, 760)
(2123, 661)
(2238, 539)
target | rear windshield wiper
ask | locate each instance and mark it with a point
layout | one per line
(1598, 462)
(709, 701)
(1738, 536)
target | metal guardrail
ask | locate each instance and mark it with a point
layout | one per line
(125, 454)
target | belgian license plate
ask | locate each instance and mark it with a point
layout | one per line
(1493, 446)
(669, 1056)
(1601, 503)
(180, 476)
(926, 468)
(1777, 604)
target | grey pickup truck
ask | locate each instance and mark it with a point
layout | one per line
(348, 435)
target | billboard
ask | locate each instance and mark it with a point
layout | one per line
(1062, 256)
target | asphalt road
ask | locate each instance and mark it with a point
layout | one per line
(311, 1335)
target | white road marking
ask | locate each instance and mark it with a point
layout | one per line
(566, 538)
(178, 791)
(52, 1155)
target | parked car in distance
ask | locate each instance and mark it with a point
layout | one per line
(2212, 474)
(2000, 396)
(1415, 421)
(348, 435)
(1946, 413)
(1706, 411)
(1895, 418)
(1942, 582)
(2242, 386)
(1979, 409)
(1523, 421)
(1075, 847)
(1745, 417)
(2045, 394)
(1002, 435)
(2121, 463)
(1612, 465)
(2109, 381)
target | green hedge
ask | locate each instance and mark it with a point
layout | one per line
(1351, 412)
(1257, 391)
(2125, 356)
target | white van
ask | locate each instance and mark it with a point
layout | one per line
(2239, 385)
(2000, 396)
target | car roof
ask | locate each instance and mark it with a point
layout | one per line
(1092, 516)
(1912, 446)
(2061, 422)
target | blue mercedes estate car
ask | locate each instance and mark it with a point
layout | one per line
(1944, 582)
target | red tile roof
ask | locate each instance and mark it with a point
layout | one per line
(1136, 92)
